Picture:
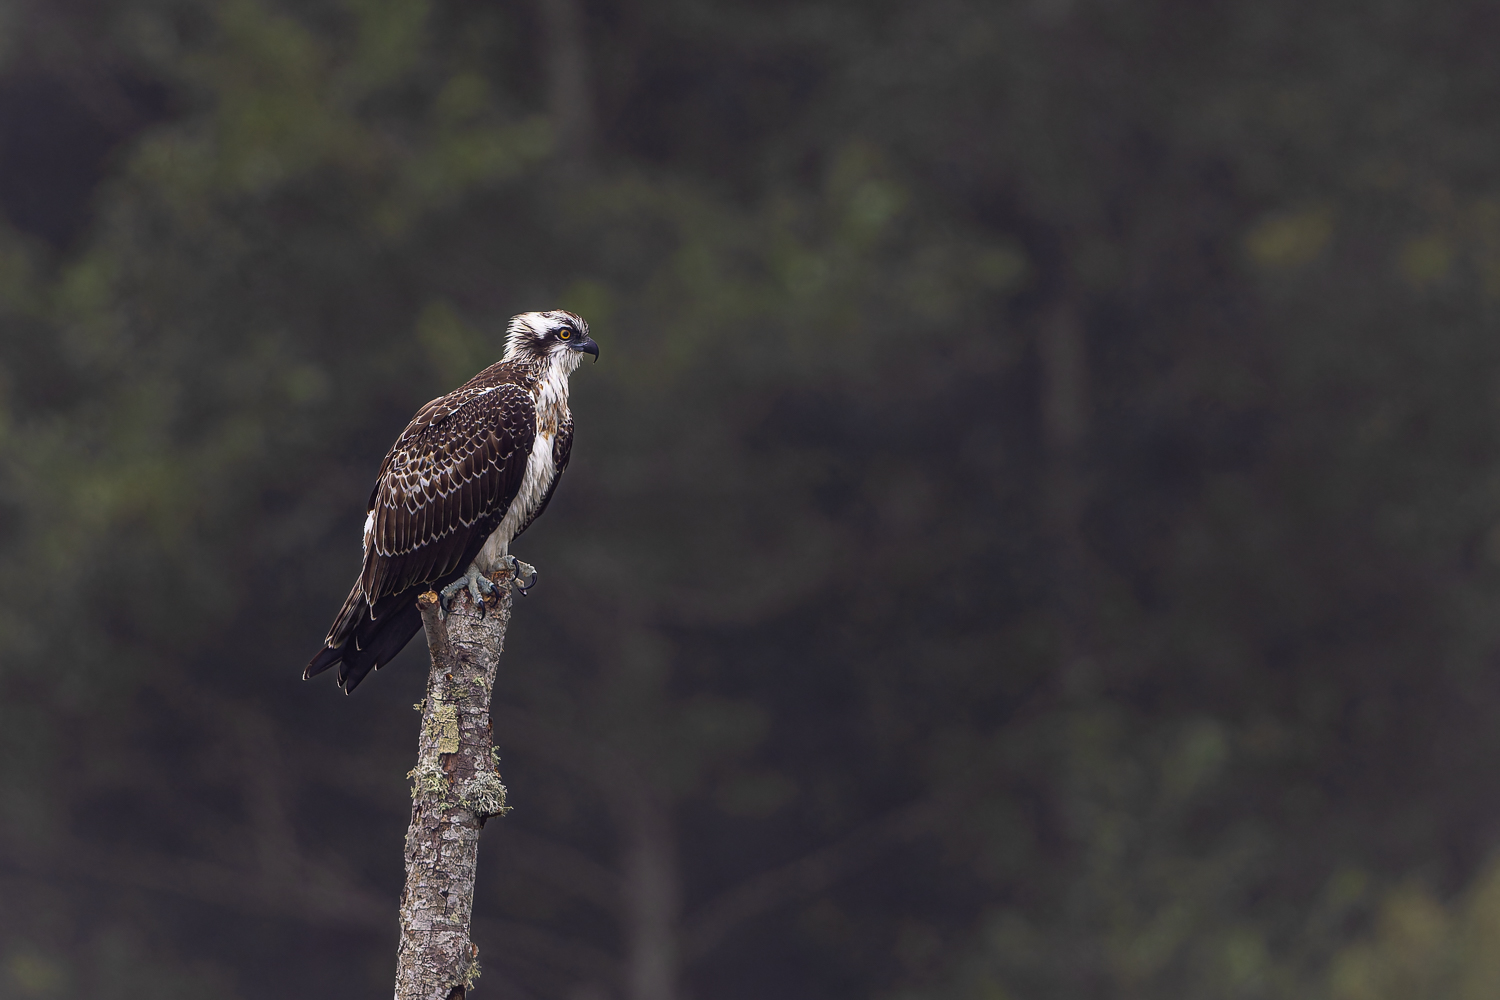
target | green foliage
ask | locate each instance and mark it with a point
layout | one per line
(1421, 947)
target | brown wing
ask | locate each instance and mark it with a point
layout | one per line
(444, 486)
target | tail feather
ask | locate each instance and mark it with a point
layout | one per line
(356, 664)
(340, 635)
(364, 638)
(389, 636)
(327, 657)
(350, 616)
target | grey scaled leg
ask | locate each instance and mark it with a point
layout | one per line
(477, 585)
(520, 571)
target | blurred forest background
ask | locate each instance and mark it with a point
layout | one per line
(1033, 531)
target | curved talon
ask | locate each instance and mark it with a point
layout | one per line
(518, 571)
(477, 579)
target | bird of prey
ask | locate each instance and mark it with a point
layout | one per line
(471, 471)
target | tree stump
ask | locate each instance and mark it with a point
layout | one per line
(455, 787)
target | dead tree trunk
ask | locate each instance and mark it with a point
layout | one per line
(455, 787)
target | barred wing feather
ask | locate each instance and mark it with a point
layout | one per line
(444, 485)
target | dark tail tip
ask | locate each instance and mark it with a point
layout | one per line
(325, 659)
(355, 668)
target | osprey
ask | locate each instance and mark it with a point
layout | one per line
(471, 471)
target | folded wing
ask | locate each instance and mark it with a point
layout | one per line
(443, 487)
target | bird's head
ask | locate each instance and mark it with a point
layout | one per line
(555, 338)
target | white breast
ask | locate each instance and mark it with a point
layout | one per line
(552, 409)
(538, 477)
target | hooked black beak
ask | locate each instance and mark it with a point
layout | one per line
(587, 346)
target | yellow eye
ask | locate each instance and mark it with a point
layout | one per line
(564, 333)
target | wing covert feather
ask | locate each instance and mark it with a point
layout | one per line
(444, 484)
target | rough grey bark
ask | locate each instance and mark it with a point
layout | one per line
(455, 787)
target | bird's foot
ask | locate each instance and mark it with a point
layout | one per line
(475, 582)
(520, 571)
